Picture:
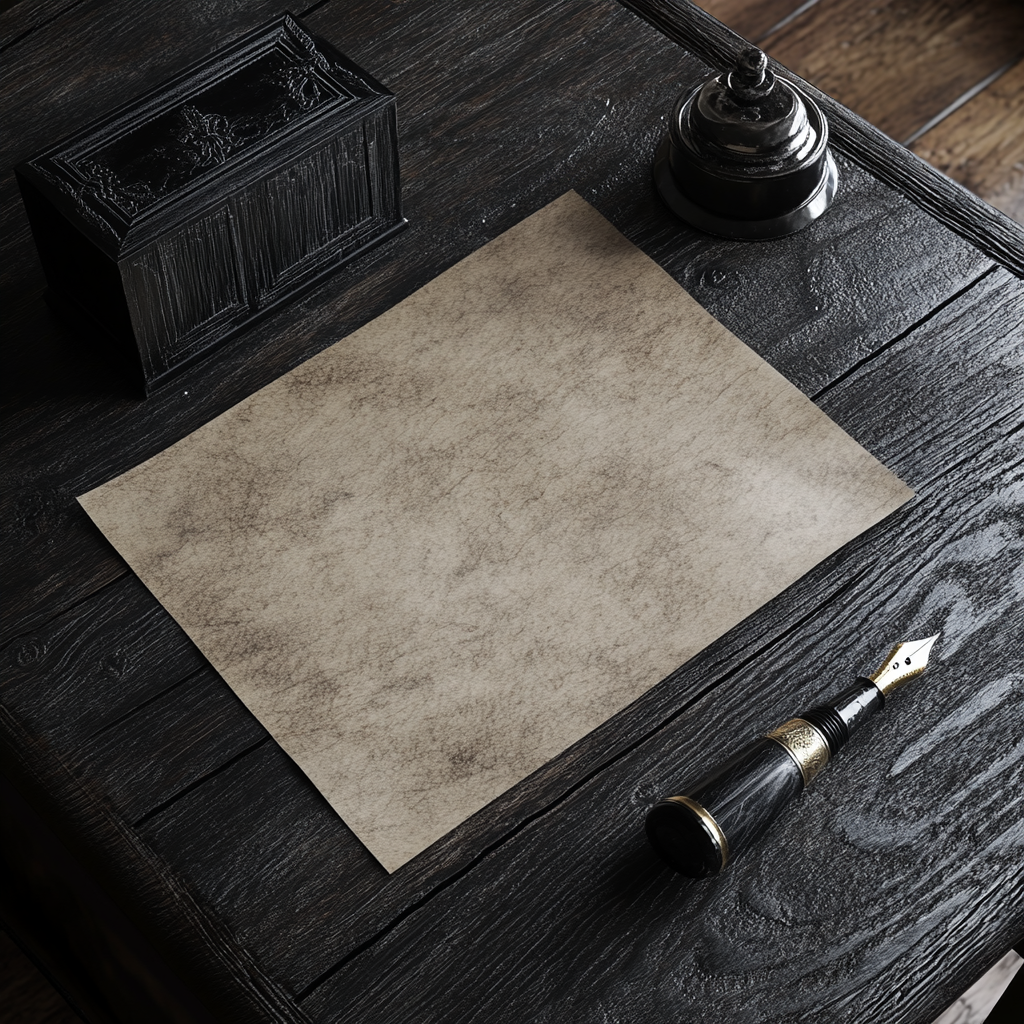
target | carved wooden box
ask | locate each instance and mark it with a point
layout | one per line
(176, 220)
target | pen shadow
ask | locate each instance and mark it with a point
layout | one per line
(640, 876)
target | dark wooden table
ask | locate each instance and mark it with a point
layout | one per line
(167, 862)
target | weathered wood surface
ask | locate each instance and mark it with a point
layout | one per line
(981, 145)
(237, 858)
(24, 991)
(20, 19)
(899, 64)
(752, 19)
(576, 899)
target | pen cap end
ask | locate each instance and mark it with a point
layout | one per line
(686, 837)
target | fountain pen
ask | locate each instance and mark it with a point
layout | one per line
(698, 831)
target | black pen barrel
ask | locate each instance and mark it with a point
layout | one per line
(844, 714)
(701, 829)
(699, 832)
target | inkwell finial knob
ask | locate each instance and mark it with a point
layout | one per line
(751, 79)
(746, 155)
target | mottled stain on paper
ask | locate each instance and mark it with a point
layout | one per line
(441, 551)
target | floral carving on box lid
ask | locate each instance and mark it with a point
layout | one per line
(155, 159)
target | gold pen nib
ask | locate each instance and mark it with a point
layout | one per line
(904, 661)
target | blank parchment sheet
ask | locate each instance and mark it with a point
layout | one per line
(435, 555)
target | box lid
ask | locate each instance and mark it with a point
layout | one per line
(202, 134)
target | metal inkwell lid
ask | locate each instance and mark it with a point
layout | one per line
(746, 155)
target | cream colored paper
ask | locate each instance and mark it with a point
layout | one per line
(446, 548)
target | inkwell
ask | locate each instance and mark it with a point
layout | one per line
(746, 155)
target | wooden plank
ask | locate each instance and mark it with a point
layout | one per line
(981, 145)
(20, 19)
(597, 134)
(898, 64)
(981, 332)
(608, 162)
(752, 19)
(134, 709)
(916, 830)
(806, 304)
(88, 668)
(954, 383)
(26, 994)
(272, 860)
(170, 744)
(949, 202)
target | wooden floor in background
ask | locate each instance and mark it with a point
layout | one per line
(942, 76)
(945, 77)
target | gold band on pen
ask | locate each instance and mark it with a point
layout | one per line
(805, 744)
(709, 823)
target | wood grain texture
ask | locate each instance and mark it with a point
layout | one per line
(170, 744)
(120, 655)
(274, 904)
(899, 63)
(20, 19)
(89, 83)
(990, 230)
(584, 872)
(25, 995)
(57, 388)
(981, 145)
(752, 19)
(975, 1005)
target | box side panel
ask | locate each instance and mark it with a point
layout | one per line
(294, 224)
(185, 290)
(382, 163)
(203, 279)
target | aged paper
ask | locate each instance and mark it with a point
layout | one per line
(446, 548)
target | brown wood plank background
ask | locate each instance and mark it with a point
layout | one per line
(943, 75)
(981, 145)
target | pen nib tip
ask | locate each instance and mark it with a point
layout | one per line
(903, 663)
